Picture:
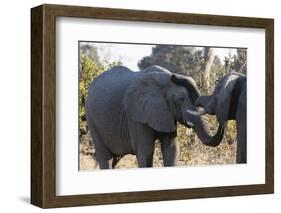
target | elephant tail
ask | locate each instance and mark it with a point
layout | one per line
(115, 160)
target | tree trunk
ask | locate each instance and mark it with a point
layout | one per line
(206, 69)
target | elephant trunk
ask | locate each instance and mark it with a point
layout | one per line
(203, 132)
(208, 104)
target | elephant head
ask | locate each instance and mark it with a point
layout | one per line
(223, 103)
(154, 99)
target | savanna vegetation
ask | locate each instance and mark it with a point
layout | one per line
(205, 68)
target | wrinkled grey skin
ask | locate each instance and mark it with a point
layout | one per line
(228, 102)
(127, 111)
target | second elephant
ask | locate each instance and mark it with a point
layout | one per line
(228, 102)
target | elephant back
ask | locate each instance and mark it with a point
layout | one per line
(108, 89)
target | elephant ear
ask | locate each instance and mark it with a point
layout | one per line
(224, 93)
(145, 101)
(188, 83)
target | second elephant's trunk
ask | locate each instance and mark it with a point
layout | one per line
(203, 132)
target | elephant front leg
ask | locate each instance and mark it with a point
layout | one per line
(241, 123)
(145, 150)
(241, 152)
(170, 151)
(145, 160)
(143, 142)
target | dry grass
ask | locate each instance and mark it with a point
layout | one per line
(192, 151)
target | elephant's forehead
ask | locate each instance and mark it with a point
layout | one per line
(231, 77)
(226, 82)
(227, 79)
(162, 79)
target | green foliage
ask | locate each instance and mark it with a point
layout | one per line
(91, 51)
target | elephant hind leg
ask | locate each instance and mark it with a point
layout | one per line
(115, 160)
(104, 164)
(103, 154)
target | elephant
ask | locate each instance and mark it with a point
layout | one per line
(128, 111)
(228, 102)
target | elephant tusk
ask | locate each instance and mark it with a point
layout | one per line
(189, 124)
(196, 113)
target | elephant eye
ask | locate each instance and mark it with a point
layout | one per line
(181, 99)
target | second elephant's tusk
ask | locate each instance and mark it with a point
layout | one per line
(197, 113)
(189, 124)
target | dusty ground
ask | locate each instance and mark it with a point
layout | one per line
(192, 151)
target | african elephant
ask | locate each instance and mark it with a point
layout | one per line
(127, 111)
(228, 102)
